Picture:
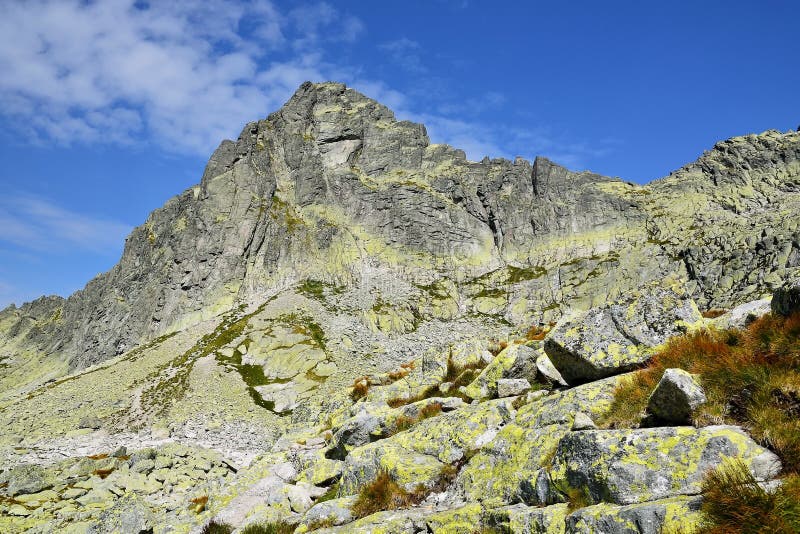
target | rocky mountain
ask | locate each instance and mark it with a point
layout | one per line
(278, 328)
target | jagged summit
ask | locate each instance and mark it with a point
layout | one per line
(332, 184)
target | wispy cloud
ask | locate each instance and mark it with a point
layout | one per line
(405, 53)
(36, 224)
(185, 74)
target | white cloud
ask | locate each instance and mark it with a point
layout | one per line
(186, 74)
(36, 224)
(405, 53)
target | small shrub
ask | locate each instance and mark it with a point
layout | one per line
(578, 498)
(360, 388)
(198, 504)
(713, 313)
(430, 410)
(383, 493)
(403, 423)
(103, 473)
(734, 502)
(536, 333)
(212, 527)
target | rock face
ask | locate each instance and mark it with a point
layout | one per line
(675, 397)
(786, 300)
(339, 301)
(612, 339)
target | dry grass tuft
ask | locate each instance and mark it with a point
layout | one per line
(733, 501)
(751, 378)
(360, 388)
(713, 313)
(103, 473)
(537, 333)
(198, 504)
(459, 375)
(101, 456)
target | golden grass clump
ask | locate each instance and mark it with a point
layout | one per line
(733, 501)
(751, 378)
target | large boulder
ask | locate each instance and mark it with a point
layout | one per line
(744, 314)
(675, 397)
(515, 361)
(676, 513)
(631, 466)
(505, 471)
(27, 478)
(786, 300)
(523, 519)
(607, 340)
(418, 455)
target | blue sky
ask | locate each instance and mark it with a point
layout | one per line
(109, 108)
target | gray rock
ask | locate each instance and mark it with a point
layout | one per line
(744, 314)
(509, 387)
(523, 519)
(644, 518)
(130, 514)
(524, 366)
(336, 512)
(786, 299)
(616, 338)
(548, 371)
(675, 397)
(92, 422)
(583, 422)
(28, 478)
(631, 466)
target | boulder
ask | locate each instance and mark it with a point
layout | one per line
(741, 316)
(505, 471)
(786, 300)
(548, 371)
(129, 514)
(27, 478)
(675, 397)
(509, 387)
(631, 466)
(611, 339)
(418, 455)
(583, 422)
(334, 512)
(524, 519)
(679, 514)
(517, 357)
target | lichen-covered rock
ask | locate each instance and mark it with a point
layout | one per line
(509, 387)
(513, 362)
(675, 514)
(334, 512)
(129, 514)
(418, 455)
(582, 421)
(594, 399)
(676, 396)
(506, 469)
(615, 338)
(630, 466)
(786, 299)
(523, 519)
(27, 478)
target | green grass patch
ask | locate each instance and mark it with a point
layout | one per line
(733, 501)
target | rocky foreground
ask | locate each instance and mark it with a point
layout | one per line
(344, 328)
